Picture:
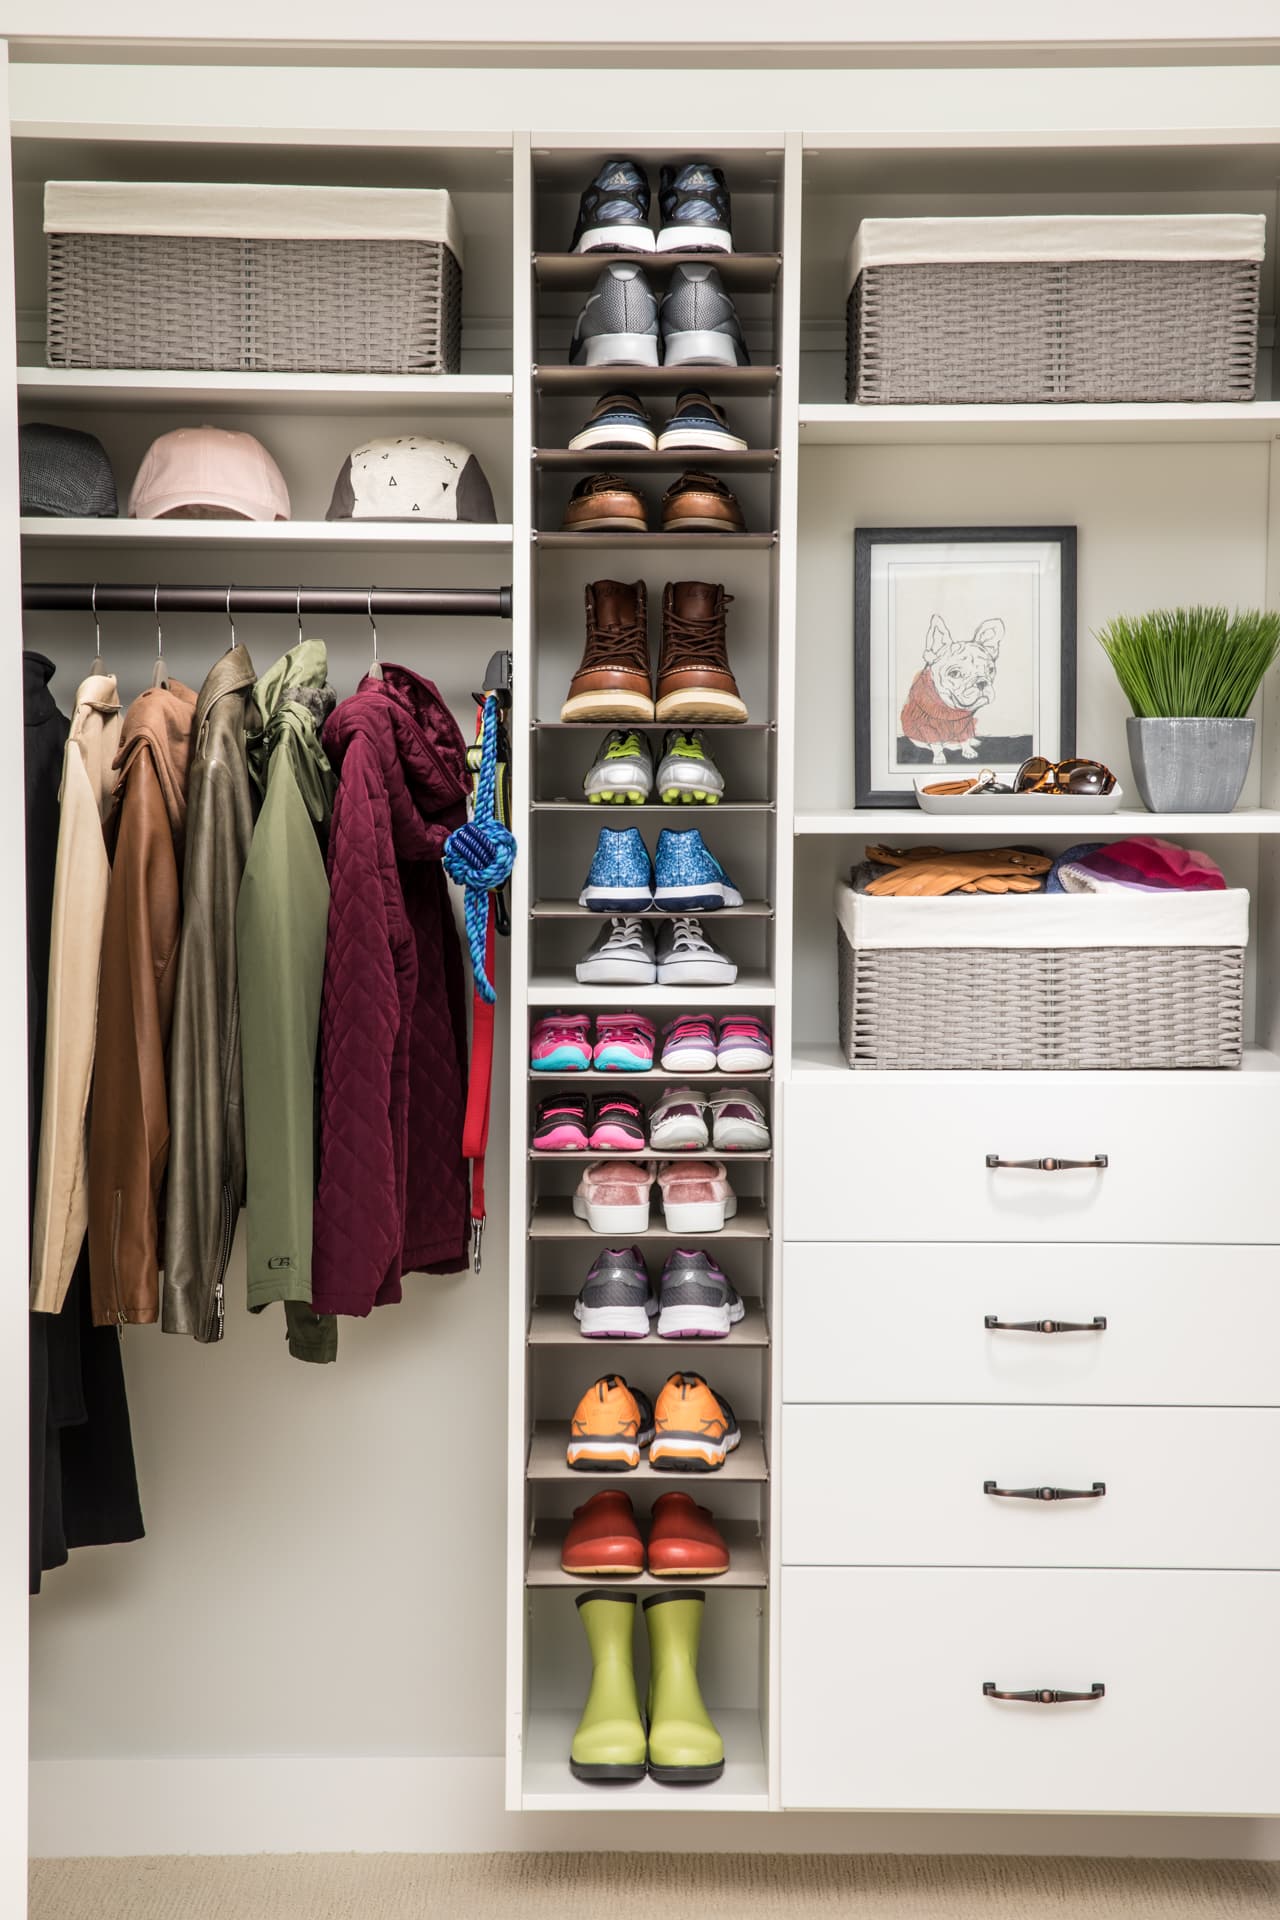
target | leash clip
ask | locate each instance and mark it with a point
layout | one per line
(477, 1237)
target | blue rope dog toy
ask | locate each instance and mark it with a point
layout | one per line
(480, 855)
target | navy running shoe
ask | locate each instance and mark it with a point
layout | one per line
(617, 421)
(694, 203)
(613, 214)
(697, 423)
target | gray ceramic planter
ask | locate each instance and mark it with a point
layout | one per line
(1190, 766)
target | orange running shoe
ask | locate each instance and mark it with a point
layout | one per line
(694, 1429)
(610, 1426)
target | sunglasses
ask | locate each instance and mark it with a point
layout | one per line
(1039, 775)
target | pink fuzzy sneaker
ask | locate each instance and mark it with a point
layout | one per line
(696, 1196)
(613, 1196)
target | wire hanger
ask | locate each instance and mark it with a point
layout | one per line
(160, 672)
(99, 664)
(299, 616)
(231, 621)
(375, 669)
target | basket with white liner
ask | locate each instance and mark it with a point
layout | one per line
(1035, 308)
(226, 276)
(1033, 981)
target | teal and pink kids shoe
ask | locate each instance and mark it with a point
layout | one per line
(561, 1043)
(624, 1043)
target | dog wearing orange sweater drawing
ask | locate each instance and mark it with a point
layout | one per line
(955, 682)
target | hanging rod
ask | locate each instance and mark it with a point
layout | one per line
(56, 596)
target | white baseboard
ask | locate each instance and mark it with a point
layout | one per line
(402, 1805)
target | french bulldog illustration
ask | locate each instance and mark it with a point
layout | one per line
(957, 678)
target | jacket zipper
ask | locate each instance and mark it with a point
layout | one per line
(122, 1318)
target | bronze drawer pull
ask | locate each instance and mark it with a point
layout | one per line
(1043, 1696)
(1095, 1492)
(1097, 1325)
(1051, 1164)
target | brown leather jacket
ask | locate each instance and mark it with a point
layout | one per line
(129, 1125)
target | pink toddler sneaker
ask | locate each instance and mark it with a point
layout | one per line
(744, 1045)
(561, 1043)
(613, 1196)
(624, 1043)
(689, 1044)
(561, 1125)
(696, 1196)
(617, 1124)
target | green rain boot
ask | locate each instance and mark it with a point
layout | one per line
(609, 1743)
(685, 1748)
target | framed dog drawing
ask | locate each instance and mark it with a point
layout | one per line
(964, 652)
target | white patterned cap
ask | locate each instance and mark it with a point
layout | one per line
(406, 476)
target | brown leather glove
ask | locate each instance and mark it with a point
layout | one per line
(929, 872)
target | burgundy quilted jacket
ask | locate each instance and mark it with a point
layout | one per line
(392, 1196)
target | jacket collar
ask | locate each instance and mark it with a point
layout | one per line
(231, 672)
(38, 704)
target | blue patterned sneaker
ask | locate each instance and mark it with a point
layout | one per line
(622, 772)
(696, 423)
(617, 422)
(694, 203)
(689, 879)
(613, 213)
(621, 876)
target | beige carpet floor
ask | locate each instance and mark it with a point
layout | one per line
(554, 1886)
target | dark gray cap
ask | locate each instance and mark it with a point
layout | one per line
(64, 474)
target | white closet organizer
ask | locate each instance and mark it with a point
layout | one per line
(876, 1586)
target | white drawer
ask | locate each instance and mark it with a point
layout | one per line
(1186, 1326)
(904, 1486)
(882, 1672)
(889, 1156)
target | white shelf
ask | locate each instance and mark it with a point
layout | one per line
(360, 536)
(890, 426)
(752, 988)
(549, 1787)
(811, 1057)
(551, 1324)
(553, 1218)
(891, 823)
(313, 393)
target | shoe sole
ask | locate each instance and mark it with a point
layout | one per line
(694, 240)
(615, 900)
(563, 1060)
(696, 440)
(711, 898)
(616, 973)
(689, 796)
(692, 1452)
(617, 240)
(692, 349)
(691, 1060)
(623, 350)
(702, 523)
(613, 1060)
(687, 1573)
(684, 1776)
(607, 1776)
(603, 1456)
(699, 703)
(742, 1059)
(696, 1216)
(607, 523)
(697, 973)
(690, 780)
(612, 1323)
(560, 1140)
(602, 1572)
(603, 705)
(615, 1140)
(621, 1220)
(740, 1136)
(604, 439)
(694, 1323)
(679, 1138)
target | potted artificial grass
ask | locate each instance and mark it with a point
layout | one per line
(1190, 675)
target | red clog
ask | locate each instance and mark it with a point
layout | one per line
(684, 1540)
(603, 1537)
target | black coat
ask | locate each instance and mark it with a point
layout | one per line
(84, 1488)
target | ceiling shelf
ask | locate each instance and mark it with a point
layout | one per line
(1040, 425)
(357, 536)
(398, 394)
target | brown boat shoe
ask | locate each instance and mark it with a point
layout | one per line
(694, 680)
(604, 503)
(613, 681)
(700, 503)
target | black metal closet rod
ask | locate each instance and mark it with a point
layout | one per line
(56, 596)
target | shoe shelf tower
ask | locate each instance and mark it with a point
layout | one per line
(851, 1246)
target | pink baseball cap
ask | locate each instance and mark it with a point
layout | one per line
(210, 468)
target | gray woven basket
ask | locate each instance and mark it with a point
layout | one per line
(1046, 1007)
(957, 333)
(261, 305)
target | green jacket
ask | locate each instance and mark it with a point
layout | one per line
(281, 921)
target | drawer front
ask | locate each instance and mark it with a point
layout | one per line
(904, 1486)
(884, 1156)
(1185, 1326)
(882, 1672)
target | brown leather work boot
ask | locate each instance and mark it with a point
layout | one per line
(613, 682)
(700, 503)
(694, 681)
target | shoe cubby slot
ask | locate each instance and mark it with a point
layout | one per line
(750, 415)
(551, 1324)
(578, 272)
(557, 459)
(585, 382)
(748, 1563)
(552, 1217)
(755, 493)
(746, 1464)
(562, 756)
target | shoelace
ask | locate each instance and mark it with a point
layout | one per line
(690, 1030)
(743, 1027)
(626, 933)
(601, 483)
(624, 746)
(620, 1107)
(694, 480)
(687, 937)
(697, 639)
(630, 1028)
(559, 1027)
(605, 646)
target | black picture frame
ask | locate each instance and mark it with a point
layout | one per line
(865, 540)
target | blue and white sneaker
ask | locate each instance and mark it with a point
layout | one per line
(694, 203)
(688, 878)
(617, 421)
(613, 214)
(618, 325)
(699, 321)
(698, 423)
(621, 876)
(622, 772)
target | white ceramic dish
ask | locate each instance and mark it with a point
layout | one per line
(990, 806)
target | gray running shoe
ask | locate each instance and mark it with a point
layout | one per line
(700, 322)
(618, 326)
(697, 1302)
(686, 958)
(686, 771)
(621, 955)
(622, 772)
(616, 1300)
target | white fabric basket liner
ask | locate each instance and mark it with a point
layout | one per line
(232, 210)
(1057, 237)
(1119, 919)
